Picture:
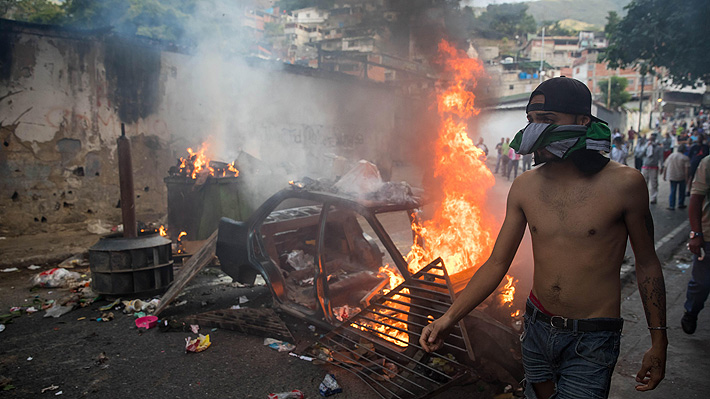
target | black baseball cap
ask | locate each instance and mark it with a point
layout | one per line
(566, 95)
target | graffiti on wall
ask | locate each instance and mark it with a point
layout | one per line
(307, 135)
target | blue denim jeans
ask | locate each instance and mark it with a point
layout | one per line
(677, 189)
(699, 284)
(579, 363)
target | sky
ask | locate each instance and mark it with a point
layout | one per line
(483, 3)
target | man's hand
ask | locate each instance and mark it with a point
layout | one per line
(433, 334)
(695, 244)
(653, 368)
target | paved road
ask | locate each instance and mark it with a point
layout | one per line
(688, 355)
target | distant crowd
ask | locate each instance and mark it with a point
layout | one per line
(673, 151)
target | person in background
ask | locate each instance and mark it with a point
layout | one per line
(481, 146)
(639, 153)
(527, 162)
(631, 136)
(618, 151)
(697, 152)
(699, 245)
(506, 159)
(675, 169)
(667, 144)
(514, 161)
(616, 134)
(652, 162)
(499, 151)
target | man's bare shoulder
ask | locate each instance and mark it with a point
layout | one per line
(525, 181)
(624, 177)
(627, 184)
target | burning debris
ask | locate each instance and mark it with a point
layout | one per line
(364, 347)
(328, 257)
(199, 164)
(363, 182)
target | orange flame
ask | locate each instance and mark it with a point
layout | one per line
(394, 277)
(199, 162)
(507, 295)
(181, 235)
(162, 231)
(459, 232)
(508, 291)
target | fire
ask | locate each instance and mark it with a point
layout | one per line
(162, 231)
(180, 248)
(394, 277)
(384, 330)
(199, 162)
(459, 232)
(507, 295)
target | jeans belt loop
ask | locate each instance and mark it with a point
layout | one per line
(534, 315)
(575, 327)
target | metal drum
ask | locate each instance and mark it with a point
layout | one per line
(131, 266)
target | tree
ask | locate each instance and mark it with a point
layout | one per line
(290, 5)
(37, 11)
(619, 95)
(159, 19)
(505, 20)
(553, 28)
(663, 33)
(612, 22)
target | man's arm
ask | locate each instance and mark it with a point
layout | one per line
(487, 277)
(649, 275)
(695, 217)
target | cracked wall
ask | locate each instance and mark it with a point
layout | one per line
(60, 115)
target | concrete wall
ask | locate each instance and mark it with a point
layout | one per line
(62, 100)
(64, 95)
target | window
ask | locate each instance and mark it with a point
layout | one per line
(352, 256)
(511, 87)
(288, 238)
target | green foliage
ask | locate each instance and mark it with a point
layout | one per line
(272, 29)
(553, 28)
(619, 95)
(159, 19)
(290, 5)
(504, 20)
(664, 33)
(612, 22)
(37, 11)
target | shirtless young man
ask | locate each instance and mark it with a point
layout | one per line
(580, 208)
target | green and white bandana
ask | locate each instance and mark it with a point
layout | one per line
(562, 140)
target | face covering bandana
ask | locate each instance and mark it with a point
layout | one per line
(562, 140)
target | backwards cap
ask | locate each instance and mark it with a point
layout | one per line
(566, 95)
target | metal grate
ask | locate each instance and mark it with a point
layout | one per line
(263, 322)
(399, 367)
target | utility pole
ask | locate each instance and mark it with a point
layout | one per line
(643, 83)
(608, 93)
(542, 54)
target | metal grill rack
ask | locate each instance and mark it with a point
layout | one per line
(398, 367)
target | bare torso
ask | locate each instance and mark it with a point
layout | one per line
(579, 237)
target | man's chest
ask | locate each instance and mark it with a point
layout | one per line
(573, 210)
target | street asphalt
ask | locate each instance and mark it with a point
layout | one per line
(688, 360)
